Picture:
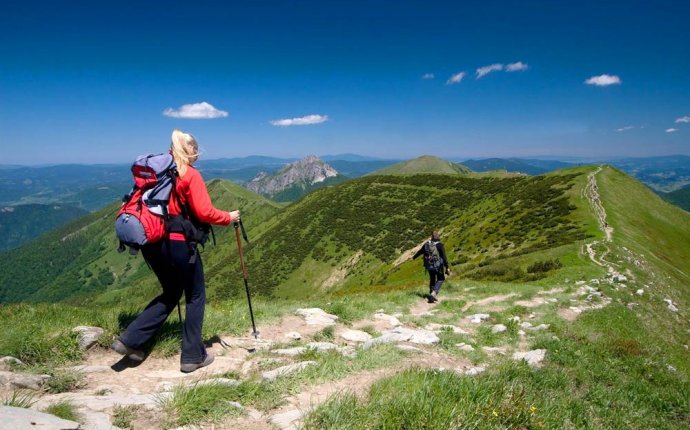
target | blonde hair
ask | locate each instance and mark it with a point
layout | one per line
(184, 149)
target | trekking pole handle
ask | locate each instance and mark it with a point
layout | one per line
(241, 225)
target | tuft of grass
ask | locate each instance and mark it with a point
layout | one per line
(124, 415)
(19, 399)
(62, 381)
(371, 330)
(325, 335)
(64, 409)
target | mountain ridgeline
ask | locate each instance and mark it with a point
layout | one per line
(335, 238)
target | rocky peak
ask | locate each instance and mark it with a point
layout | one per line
(306, 172)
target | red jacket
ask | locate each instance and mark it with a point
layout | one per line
(191, 190)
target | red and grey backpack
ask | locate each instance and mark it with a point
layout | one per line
(143, 216)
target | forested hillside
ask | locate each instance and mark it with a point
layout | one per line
(80, 259)
(21, 223)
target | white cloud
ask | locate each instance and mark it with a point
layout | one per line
(516, 67)
(671, 130)
(603, 80)
(685, 119)
(626, 128)
(456, 78)
(201, 110)
(483, 71)
(305, 120)
(428, 76)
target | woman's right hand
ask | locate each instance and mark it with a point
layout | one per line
(234, 216)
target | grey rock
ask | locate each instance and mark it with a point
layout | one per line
(88, 336)
(290, 352)
(322, 346)
(390, 319)
(293, 335)
(465, 347)
(286, 420)
(639, 292)
(317, 316)
(499, 328)
(472, 371)
(7, 362)
(409, 348)
(355, 336)
(23, 380)
(286, 370)
(494, 349)
(533, 358)
(478, 318)
(29, 419)
(671, 306)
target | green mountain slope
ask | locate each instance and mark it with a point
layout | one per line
(80, 259)
(21, 223)
(359, 228)
(423, 164)
(680, 198)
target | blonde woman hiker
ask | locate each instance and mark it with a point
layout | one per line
(177, 263)
(435, 262)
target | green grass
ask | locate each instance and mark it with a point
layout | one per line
(124, 415)
(64, 409)
(601, 374)
(19, 399)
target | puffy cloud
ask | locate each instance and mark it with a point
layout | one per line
(603, 80)
(516, 67)
(201, 110)
(626, 128)
(305, 120)
(671, 130)
(483, 71)
(428, 76)
(685, 119)
(456, 78)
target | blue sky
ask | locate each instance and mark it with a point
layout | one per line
(85, 81)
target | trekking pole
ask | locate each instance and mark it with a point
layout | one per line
(238, 225)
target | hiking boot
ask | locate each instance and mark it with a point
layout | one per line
(191, 367)
(131, 353)
(434, 296)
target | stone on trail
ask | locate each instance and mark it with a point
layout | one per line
(293, 335)
(478, 318)
(29, 419)
(390, 319)
(23, 380)
(290, 352)
(465, 347)
(322, 346)
(671, 306)
(499, 328)
(7, 362)
(472, 371)
(533, 358)
(88, 336)
(403, 334)
(215, 381)
(355, 335)
(639, 292)
(90, 369)
(286, 370)
(494, 349)
(409, 348)
(316, 316)
(286, 420)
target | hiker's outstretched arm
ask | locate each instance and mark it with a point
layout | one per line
(419, 252)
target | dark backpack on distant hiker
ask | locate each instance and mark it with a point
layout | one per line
(144, 212)
(143, 218)
(432, 258)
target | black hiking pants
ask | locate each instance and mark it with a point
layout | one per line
(170, 261)
(436, 280)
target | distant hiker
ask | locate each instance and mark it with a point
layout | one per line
(435, 262)
(177, 263)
